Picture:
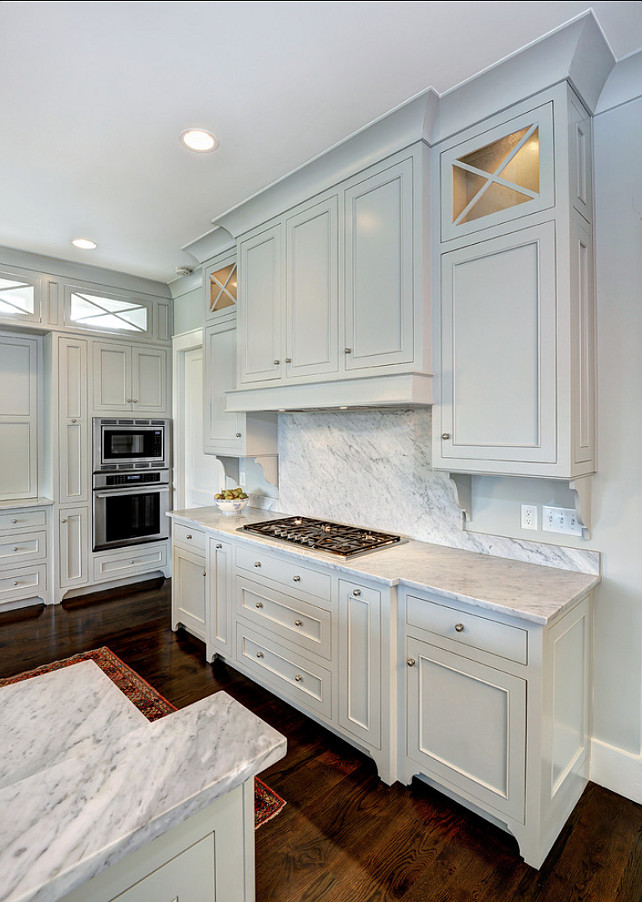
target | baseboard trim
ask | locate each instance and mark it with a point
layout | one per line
(616, 770)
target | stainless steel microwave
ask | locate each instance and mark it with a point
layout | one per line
(130, 444)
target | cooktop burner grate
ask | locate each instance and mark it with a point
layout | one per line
(323, 535)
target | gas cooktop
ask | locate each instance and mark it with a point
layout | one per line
(324, 535)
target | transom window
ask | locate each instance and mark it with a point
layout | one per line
(16, 298)
(107, 313)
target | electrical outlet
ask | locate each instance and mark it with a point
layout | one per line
(529, 516)
(562, 520)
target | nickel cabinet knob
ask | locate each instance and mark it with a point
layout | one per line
(296, 579)
(260, 654)
(257, 563)
(445, 436)
(347, 351)
(238, 434)
(277, 362)
(188, 536)
(356, 592)
(288, 360)
(259, 604)
(411, 662)
(298, 678)
(459, 627)
(219, 546)
(298, 623)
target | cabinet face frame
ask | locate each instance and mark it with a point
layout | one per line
(542, 447)
(542, 117)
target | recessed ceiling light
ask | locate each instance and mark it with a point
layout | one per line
(199, 140)
(85, 244)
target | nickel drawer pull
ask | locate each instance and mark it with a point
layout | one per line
(298, 678)
(259, 604)
(298, 623)
(260, 654)
(459, 627)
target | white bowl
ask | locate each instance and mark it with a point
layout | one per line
(231, 506)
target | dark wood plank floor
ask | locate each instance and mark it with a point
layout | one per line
(344, 836)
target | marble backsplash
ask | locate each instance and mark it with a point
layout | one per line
(373, 468)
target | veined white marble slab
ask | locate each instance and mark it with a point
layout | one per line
(69, 711)
(18, 504)
(532, 592)
(61, 826)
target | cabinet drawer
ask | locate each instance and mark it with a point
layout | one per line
(307, 684)
(26, 583)
(117, 564)
(13, 521)
(509, 642)
(23, 548)
(188, 537)
(284, 571)
(301, 623)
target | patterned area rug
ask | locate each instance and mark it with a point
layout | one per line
(267, 803)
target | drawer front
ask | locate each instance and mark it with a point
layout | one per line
(25, 583)
(187, 537)
(22, 519)
(509, 642)
(23, 548)
(113, 566)
(303, 624)
(287, 572)
(309, 685)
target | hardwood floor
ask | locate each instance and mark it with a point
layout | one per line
(344, 836)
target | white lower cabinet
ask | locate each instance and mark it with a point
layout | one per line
(359, 662)
(218, 604)
(133, 560)
(73, 547)
(188, 591)
(495, 712)
(23, 555)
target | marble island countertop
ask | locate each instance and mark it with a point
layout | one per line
(85, 779)
(533, 592)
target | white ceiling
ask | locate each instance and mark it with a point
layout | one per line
(93, 97)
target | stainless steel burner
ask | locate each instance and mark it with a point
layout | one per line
(324, 535)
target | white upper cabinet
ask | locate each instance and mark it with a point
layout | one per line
(73, 421)
(334, 289)
(20, 368)
(499, 174)
(129, 378)
(516, 315)
(20, 297)
(312, 291)
(260, 279)
(94, 308)
(221, 285)
(379, 269)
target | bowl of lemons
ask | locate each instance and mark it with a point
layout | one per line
(231, 501)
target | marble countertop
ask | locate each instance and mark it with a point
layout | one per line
(18, 504)
(531, 592)
(86, 779)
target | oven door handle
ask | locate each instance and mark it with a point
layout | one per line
(134, 490)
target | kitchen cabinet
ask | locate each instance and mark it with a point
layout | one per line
(333, 289)
(24, 543)
(188, 591)
(74, 469)
(496, 712)
(130, 378)
(230, 433)
(220, 288)
(516, 317)
(218, 599)
(360, 701)
(74, 524)
(131, 561)
(20, 409)
(21, 294)
(379, 258)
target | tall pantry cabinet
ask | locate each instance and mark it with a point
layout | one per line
(515, 339)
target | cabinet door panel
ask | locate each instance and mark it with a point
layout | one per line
(260, 306)
(73, 421)
(112, 377)
(221, 425)
(73, 546)
(467, 726)
(379, 269)
(360, 662)
(149, 380)
(312, 290)
(219, 599)
(499, 349)
(188, 591)
(19, 377)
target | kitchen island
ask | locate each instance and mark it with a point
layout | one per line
(97, 802)
(470, 671)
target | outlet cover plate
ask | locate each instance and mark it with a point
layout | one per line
(529, 516)
(562, 520)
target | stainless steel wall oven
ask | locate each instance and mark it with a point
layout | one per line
(131, 482)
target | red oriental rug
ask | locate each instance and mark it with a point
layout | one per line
(267, 803)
